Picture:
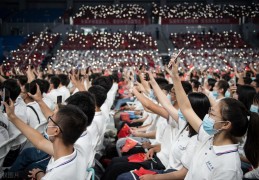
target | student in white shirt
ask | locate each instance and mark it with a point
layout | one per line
(64, 127)
(34, 113)
(217, 155)
(53, 89)
(64, 91)
(31, 158)
(219, 90)
(20, 107)
(98, 126)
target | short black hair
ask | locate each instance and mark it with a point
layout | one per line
(85, 101)
(12, 86)
(99, 93)
(22, 79)
(73, 121)
(64, 80)
(103, 81)
(32, 88)
(55, 81)
(187, 87)
(45, 84)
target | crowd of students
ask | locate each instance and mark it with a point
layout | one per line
(171, 125)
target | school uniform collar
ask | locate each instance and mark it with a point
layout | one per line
(61, 161)
(83, 134)
(98, 113)
(220, 150)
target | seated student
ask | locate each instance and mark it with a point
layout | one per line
(53, 89)
(216, 156)
(33, 158)
(64, 127)
(219, 90)
(64, 91)
(20, 107)
(98, 126)
(34, 113)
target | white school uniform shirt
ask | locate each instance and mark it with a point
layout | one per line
(66, 168)
(188, 155)
(49, 102)
(111, 95)
(106, 111)
(64, 91)
(254, 174)
(53, 94)
(166, 143)
(31, 115)
(175, 142)
(19, 110)
(74, 165)
(4, 136)
(160, 129)
(97, 130)
(214, 162)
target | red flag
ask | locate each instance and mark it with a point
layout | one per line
(125, 117)
(139, 157)
(143, 171)
(124, 132)
(129, 144)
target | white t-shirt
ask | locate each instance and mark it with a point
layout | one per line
(214, 162)
(67, 167)
(64, 92)
(31, 115)
(97, 130)
(53, 94)
(19, 110)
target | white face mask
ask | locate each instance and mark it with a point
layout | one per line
(46, 135)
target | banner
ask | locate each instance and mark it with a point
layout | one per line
(84, 21)
(199, 21)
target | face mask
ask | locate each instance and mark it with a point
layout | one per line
(215, 94)
(46, 134)
(254, 108)
(208, 125)
(209, 76)
(180, 115)
(227, 94)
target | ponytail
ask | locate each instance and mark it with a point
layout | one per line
(251, 146)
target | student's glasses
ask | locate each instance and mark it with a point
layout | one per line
(50, 119)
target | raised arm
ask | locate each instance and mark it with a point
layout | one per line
(38, 98)
(150, 105)
(183, 100)
(165, 102)
(33, 135)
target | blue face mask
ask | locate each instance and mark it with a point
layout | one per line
(208, 125)
(209, 76)
(215, 94)
(254, 108)
(227, 94)
(180, 115)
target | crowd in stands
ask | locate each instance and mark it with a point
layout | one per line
(200, 10)
(33, 50)
(208, 40)
(103, 58)
(108, 40)
(122, 11)
(168, 123)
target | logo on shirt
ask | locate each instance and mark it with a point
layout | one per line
(209, 165)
